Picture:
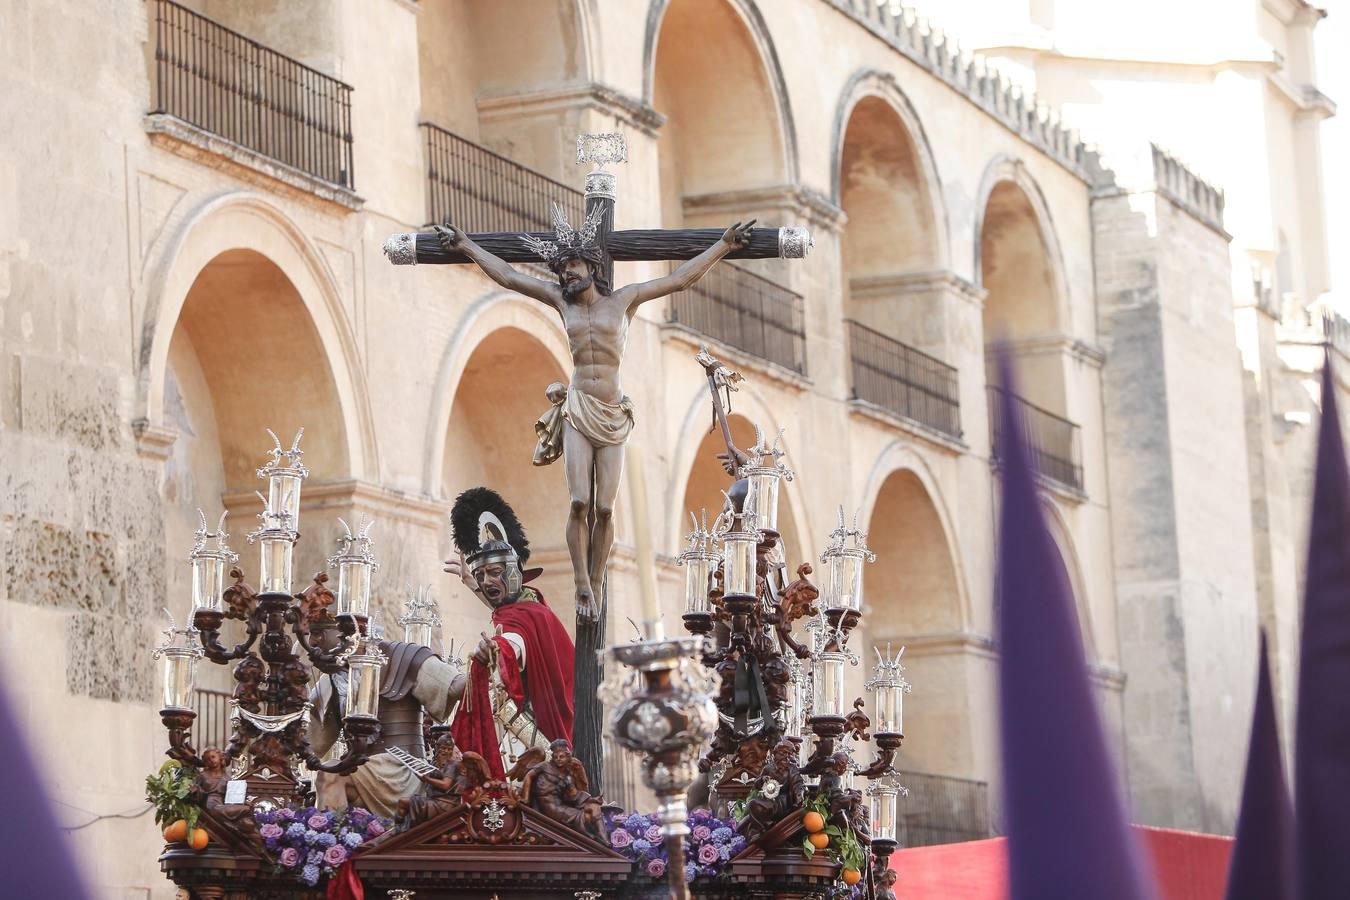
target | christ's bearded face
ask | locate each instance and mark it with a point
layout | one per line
(574, 277)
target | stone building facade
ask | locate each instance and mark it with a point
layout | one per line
(191, 253)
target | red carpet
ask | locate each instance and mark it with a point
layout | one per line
(1189, 866)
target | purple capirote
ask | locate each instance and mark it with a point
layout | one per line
(1322, 731)
(1068, 832)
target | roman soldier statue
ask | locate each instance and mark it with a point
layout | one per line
(519, 694)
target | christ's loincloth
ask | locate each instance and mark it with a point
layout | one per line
(603, 424)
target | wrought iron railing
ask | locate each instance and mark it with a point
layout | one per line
(479, 190)
(737, 307)
(905, 381)
(1051, 439)
(211, 728)
(942, 810)
(234, 87)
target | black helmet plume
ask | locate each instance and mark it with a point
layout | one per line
(468, 510)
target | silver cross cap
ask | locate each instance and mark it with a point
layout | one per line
(601, 149)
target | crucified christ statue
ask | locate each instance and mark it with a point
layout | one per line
(591, 418)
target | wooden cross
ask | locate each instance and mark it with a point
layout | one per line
(629, 245)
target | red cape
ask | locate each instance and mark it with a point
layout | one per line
(550, 657)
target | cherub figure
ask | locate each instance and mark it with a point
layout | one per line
(781, 789)
(315, 599)
(212, 782)
(858, 721)
(239, 597)
(248, 676)
(559, 789)
(442, 790)
(797, 601)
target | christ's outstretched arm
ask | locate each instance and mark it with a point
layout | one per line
(453, 238)
(690, 271)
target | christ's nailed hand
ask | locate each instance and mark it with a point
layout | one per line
(448, 235)
(738, 235)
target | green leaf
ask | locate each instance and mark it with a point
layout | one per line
(808, 848)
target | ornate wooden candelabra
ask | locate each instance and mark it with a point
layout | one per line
(271, 694)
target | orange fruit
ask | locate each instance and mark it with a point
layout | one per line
(199, 839)
(851, 876)
(813, 822)
(176, 832)
(820, 840)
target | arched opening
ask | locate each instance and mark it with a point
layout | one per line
(723, 128)
(914, 601)
(511, 47)
(1023, 303)
(244, 356)
(891, 227)
(706, 482)
(490, 441)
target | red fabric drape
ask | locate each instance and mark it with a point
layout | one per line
(550, 657)
(346, 884)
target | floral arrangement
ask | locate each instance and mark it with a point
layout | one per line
(312, 843)
(711, 843)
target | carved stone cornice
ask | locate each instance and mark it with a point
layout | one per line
(796, 201)
(868, 287)
(381, 502)
(627, 109)
(1040, 345)
(153, 442)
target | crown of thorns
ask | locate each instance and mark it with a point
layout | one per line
(569, 241)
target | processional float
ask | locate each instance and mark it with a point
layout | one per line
(745, 721)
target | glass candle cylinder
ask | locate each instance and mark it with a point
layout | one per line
(283, 498)
(738, 560)
(888, 708)
(845, 580)
(417, 633)
(828, 685)
(180, 676)
(885, 808)
(363, 692)
(761, 499)
(208, 581)
(277, 549)
(698, 570)
(353, 594)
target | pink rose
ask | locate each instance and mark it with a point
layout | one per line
(335, 855)
(701, 833)
(290, 857)
(318, 822)
(375, 829)
(620, 838)
(270, 831)
(656, 867)
(653, 834)
(707, 854)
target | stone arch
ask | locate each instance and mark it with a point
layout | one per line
(693, 462)
(722, 125)
(247, 224)
(914, 599)
(513, 47)
(1072, 574)
(490, 313)
(871, 84)
(1019, 264)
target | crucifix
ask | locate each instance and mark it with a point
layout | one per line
(591, 418)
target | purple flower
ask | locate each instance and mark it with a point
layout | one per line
(335, 856)
(375, 828)
(285, 813)
(318, 821)
(722, 835)
(737, 843)
(707, 854)
(701, 833)
(310, 837)
(351, 840)
(690, 871)
(641, 845)
(325, 840)
(620, 838)
(724, 851)
(271, 831)
(656, 867)
(310, 875)
(636, 821)
(653, 834)
(290, 857)
(295, 830)
(314, 857)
